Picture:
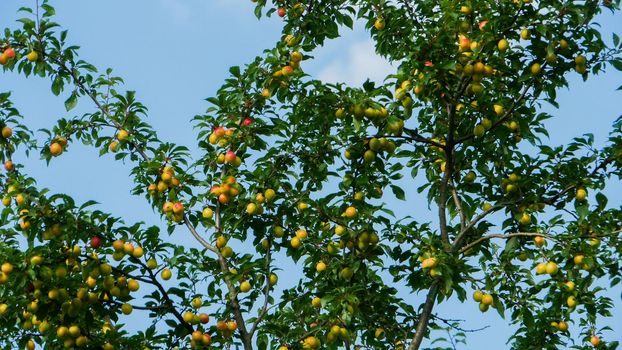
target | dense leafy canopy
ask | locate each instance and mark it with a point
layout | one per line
(294, 170)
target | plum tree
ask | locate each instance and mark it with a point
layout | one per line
(294, 170)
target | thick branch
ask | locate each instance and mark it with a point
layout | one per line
(266, 294)
(442, 196)
(424, 317)
(454, 194)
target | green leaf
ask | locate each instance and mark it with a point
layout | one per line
(72, 101)
(398, 192)
(601, 199)
(617, 64)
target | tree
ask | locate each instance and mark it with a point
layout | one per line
(293, 170)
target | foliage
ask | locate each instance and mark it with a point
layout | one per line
(295, 171)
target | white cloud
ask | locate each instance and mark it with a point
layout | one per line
(179, 9)
(360, 63)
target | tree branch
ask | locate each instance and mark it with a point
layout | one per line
(458, 240)
(266, 293)
(424, 316)
(504, 236)
(454, 194)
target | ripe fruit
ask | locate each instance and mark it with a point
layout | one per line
(96, 242)
(595, 341)
(487, 299)
(350, 212)
(178, 208)
(122, 135)
(9, 166)
(252, 208)
(188, 317)
(569, 286)
(19, 199)
(541, 268)
(301, 233)
(536, 68)
(302, 206)
(581, 194)
(7, 132)
(429, 263)
(269, 194)
(539, 241)
(138, 252)
(36, 260)
(478, 295)
(126, 309)
(316, 302)
(62, 331)
(311, 342)
(197, 302)
(503, 45)
(525, 219)
(273, 279)
(207, 213)
(30, 345)
(81, 341)
(133, 285)
(7, 268)
(74, 331)
(578, 259)
(166, 274)
(56, 149)
(32, 56)
(9, 52)
(232, 326)
(551, 268)
(114, 146)
(524, 34)
(562, 326)
(226, 252)
(571, 301)
(281, 12)
(118, 245)
(295, 242)
(128, 248)
(320, 266)
(379, 24)
(245, 287)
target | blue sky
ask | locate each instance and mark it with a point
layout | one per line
(175, 53)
